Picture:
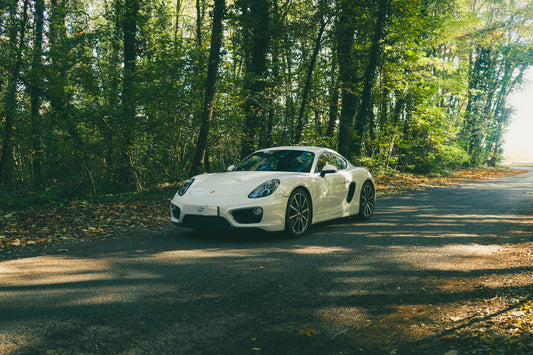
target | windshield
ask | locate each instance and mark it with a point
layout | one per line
(278, 160)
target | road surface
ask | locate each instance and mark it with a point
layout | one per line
(174, 291)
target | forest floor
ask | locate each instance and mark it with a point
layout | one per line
(487, 323)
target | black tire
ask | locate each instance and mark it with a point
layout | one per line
(367, 200)
(298, 214)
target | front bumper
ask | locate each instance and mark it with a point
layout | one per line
(265, 213)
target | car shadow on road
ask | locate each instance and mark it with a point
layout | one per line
(231, 235)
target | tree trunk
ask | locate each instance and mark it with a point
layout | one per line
(333, 111)
(18, 30)
(128, 124)
(199, 20)
(300, 120)
(472, 131)
(365, 112)
(256, 68)
(110, 123)
(210, 89)
(276, 32)
(345, 42)
(130, 60)
(177, 26)
(36, 91)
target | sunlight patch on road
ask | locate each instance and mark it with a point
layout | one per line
(476, 218)
(179, 255)
(314, 250)
(342, 315)
(450, 257)
(52, 271)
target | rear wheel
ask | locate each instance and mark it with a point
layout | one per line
(298, 214)
(366, 202)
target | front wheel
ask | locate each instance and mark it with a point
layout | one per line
(366, 202)
(298, 215)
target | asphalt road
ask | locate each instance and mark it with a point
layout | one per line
(174, 291)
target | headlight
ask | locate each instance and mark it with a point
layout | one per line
(265, 189)
(185, 187)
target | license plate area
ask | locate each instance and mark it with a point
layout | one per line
(205, 210)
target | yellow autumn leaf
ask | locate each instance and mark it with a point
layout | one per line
(306, 331)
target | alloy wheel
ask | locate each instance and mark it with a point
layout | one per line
(298, 216)
(366, 205)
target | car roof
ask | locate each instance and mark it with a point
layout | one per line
(300, 147)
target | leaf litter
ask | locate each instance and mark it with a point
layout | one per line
(78, 222)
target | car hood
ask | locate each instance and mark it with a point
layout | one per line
(231, 183)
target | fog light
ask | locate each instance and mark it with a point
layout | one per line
(248, 215)
(175, 211)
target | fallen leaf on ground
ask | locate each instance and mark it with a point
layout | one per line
(307, 332)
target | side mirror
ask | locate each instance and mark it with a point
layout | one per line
(231, 167)
(328, 169)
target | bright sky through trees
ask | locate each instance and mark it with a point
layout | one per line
(519, 137)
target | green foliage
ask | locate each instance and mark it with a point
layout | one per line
(438, 101)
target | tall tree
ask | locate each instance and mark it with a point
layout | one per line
(210, 88)
(177, 24)
(345, 32)
(129, 105)
(333, 100)
(256, 14)
(307, 85)
(499, 49)
(199, 20)
(36, 90)
(17, 33)
(365, 110)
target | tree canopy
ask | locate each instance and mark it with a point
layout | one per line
(103, 96)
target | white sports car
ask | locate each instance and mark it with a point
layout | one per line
(276, 189)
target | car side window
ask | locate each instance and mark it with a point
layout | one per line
(332, 159)
(322, 161)
(339, 163)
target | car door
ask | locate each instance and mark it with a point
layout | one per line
(332, 186)
(341, 180)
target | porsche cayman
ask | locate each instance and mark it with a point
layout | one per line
(276, 189)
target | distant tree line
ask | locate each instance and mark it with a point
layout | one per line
(106, 96)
